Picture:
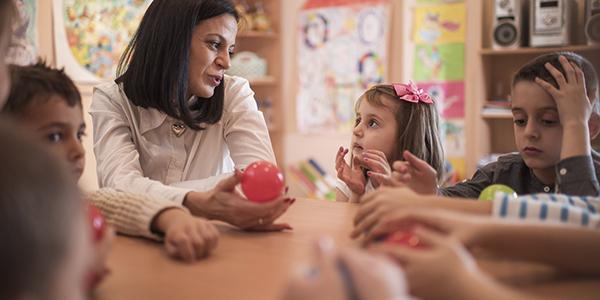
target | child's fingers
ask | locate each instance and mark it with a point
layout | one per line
(382, 179)
(547, 86)
(580, 76)
(402, 255)
(415, 162)
(568, 67)
(199, 244)
(376, 153)
(558, 76)
(366, 224)
(401, 166)
(430, 237)
(183, 247)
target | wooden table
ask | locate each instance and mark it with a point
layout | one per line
(257, 265)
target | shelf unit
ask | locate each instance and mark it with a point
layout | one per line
(489, 74)
(268, 45)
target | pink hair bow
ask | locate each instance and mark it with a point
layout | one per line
(411, 93)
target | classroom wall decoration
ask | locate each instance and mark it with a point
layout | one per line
(342, 50)
(439, 61)
(23, 46)
(91, 35)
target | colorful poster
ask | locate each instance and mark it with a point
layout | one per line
(449, 96)
(439, 62)
(91, 35)
(342, 50)
(440, 24)
(453, 137)
(23, 46)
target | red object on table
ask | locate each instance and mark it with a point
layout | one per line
(404, 238)
(97, 221)
(262, 182)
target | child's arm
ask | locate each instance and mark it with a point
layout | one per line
(575, 172)
(563, 246)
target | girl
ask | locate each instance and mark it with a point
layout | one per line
(554, 120)
(46, 101)
(390, 119)
(173, 116)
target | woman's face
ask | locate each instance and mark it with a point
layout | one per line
(213, 41)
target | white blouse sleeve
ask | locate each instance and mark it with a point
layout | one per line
(117, 157)
(245, 129)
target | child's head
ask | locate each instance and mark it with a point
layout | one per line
(45, 237)
(539, 143)
(392, 125)
(8, 13)
(46, 100)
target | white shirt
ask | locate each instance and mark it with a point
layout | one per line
(137, 150)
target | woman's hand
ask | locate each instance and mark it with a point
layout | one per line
(186, 237)
(353, 175)
(226, 204)
(378, 166)
(338, 274)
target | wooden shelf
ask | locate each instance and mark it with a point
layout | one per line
(496, 114)
(531, 50)
(257, 34)
(269, 80)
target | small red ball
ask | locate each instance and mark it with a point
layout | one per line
(262, 182)
(97, 221)
(404, 238)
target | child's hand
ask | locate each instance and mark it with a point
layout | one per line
(460, 226)
(443, 268)
(352, 176)
(415, 174)
(571, 98)
(187, 237)
(379, 168)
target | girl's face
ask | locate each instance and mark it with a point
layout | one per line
(375, 128)
(538, 132)
(61, 126)
(69, 283)
(213, 42)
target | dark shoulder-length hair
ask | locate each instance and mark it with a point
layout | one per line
(154, 69)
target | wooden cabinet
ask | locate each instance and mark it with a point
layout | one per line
(267, 45)
(489, 74)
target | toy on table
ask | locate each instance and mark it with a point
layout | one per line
(489, 192)
(405, 237)
(262, 182)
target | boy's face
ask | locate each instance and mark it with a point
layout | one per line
(538, 132)
(375, 128)
(61, 126)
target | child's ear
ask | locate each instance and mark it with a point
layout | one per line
(594, 125)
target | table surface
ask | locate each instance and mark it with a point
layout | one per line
(249, 265)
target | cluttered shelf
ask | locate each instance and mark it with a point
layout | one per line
(539, 50)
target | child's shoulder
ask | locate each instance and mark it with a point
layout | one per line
(505, 163)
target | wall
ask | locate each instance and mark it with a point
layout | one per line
(322, 146)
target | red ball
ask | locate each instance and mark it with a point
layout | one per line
(262, 182)
(404, 238)
(97, 221)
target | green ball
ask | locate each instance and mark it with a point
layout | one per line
(489, 192)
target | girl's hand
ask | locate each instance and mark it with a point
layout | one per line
(444, 267)
(415, 174)
(368, 276)
(186, 237)
(352, 176)
(226, 204)
(378, 165)
(571, 98)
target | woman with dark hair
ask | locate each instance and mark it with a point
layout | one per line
(173, 116)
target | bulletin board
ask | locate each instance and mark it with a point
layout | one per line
(24, 43)
(342, 51)
(91, 35)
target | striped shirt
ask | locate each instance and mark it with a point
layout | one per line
(550, 208)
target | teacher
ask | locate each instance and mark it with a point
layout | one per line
(172, 116)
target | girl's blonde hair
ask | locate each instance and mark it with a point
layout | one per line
(417, 127)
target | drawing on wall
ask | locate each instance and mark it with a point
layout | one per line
(453, 137)
(439, 62)
(342, 50)
(440, 24)
(91, 35)
(23, 46)
(449, 97)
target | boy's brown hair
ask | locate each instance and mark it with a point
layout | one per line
(38, 83)
(417, 127)
(40, 206)
(536, 68)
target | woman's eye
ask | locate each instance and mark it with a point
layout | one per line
(214, 45)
